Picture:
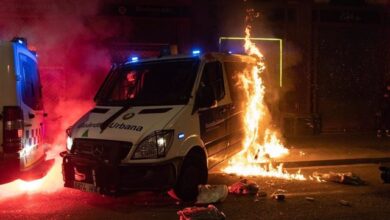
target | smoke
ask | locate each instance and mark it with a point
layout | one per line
(73, 56)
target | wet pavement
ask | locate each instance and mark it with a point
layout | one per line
(308, 199)
(363, 202)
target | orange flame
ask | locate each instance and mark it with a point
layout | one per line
(260, 145)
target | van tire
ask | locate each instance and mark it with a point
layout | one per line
(193, 173)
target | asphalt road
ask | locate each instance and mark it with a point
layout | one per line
(365, 202)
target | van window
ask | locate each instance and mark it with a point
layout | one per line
(168, 82)
(31, 86)
(232, 71)
(213, 76)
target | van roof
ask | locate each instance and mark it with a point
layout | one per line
(207, 56)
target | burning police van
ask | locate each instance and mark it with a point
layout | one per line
(21, 113)
(158, 124)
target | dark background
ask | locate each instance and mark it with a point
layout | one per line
(336, 53)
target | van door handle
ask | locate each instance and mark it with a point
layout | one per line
(31, 115)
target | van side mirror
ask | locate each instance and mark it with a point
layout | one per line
(206, 97)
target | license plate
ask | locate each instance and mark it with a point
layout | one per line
(86, 187)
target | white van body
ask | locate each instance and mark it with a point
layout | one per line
(168, 137)
(21, 109)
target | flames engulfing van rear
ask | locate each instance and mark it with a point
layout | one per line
(158, 124)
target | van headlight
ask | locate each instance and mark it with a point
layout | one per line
(155, 145)
(69, 139)
(69, 143)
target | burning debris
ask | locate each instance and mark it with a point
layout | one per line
(344, 178)
(260, 144)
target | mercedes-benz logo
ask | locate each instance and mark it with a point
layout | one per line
(128, 116)
(97, 150)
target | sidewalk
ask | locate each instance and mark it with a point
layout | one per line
(336, 149)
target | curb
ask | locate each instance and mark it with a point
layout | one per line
(314, 163)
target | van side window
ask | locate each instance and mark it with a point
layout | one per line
(31, 86)
(232, 71)
(213, 77)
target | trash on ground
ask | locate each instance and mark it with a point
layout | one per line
(344, 178)
(385, 172)
(211, 194)
(279, 195)
(173, 195)
(201, 213)
(244, 187)
(311, 199)
(345, 203)
(259, 194)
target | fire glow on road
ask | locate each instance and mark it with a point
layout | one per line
(49, 183)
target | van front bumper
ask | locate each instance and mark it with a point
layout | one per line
(92, 175)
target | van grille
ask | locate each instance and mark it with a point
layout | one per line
(113, 151)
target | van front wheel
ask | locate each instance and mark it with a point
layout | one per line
(193, 173)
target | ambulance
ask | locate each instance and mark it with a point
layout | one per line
(158, 124)
(21, 109)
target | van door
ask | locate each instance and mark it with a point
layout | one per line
(32, 106)
(213, 119)
(236, 112)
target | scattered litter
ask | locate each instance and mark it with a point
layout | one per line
(344, 178)
(385, 172)
(201, 213)
(345, 203)
(311, 199)
(211, 194)
(173, 195)
(279, 195)
(260, 194)
(244, 187)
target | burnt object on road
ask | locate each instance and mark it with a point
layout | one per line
(200, 213)
(344, 178)
(385, 172)
(279, 195)
(211, 194)
(244, 187)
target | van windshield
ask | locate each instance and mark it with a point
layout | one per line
(167, 82)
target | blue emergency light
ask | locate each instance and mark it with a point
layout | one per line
(134, 59)
(20, 40)
(195, 52)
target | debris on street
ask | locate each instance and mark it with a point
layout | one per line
(348, 178)
(385, 172)
(279, 195)
(344, 203)
(244, 187)
(311, 199)
(211, 194)
(260, 194)
(201, 213)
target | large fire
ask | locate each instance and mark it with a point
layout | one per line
(260, 144)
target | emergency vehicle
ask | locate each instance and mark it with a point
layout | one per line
(21, 109)
(158, 124)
